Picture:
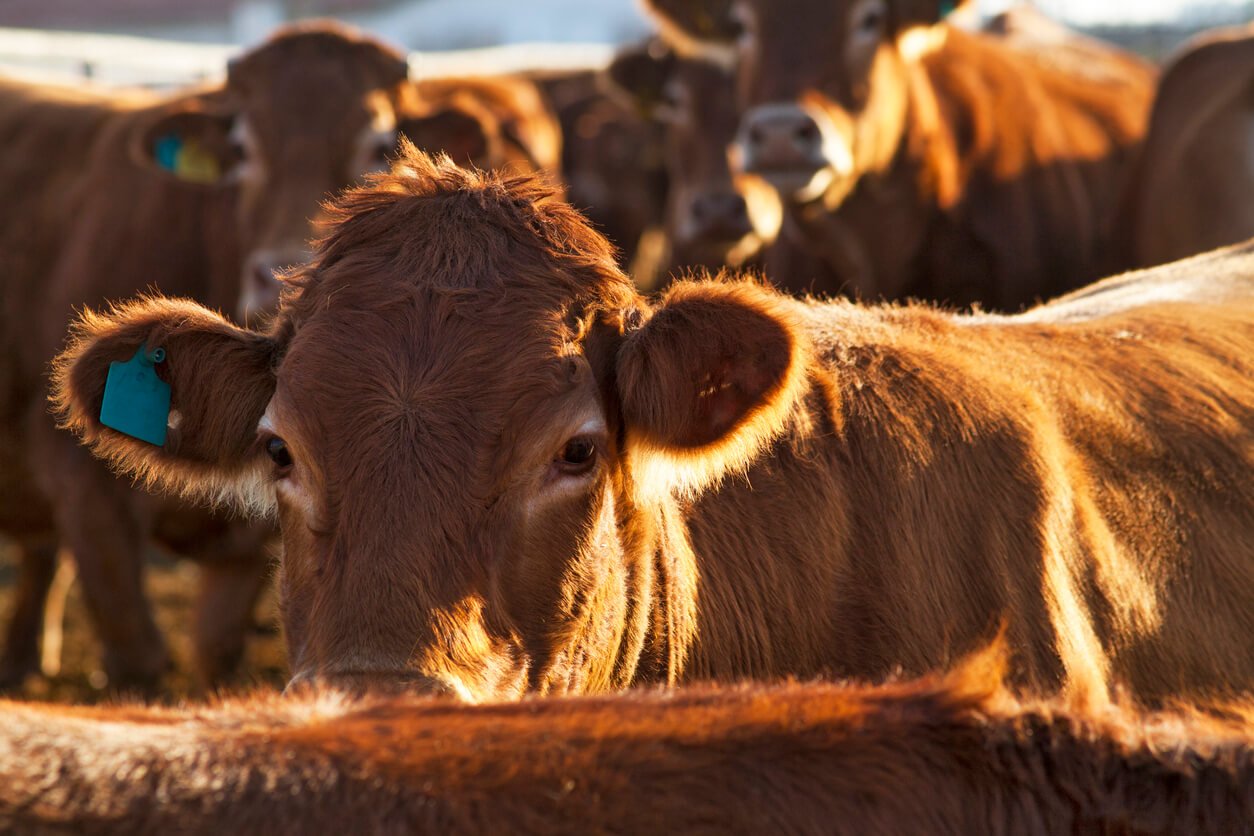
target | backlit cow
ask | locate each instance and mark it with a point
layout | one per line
(201, 194)
(1193, 188)
(708, 219)
(944, 755)
(499, 470)
(918, 159)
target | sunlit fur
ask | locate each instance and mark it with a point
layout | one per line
(947, 754)
(786, 486)
(1191, 185)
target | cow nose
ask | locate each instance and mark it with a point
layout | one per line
(260, 286)
(782, 136)
(721, 215)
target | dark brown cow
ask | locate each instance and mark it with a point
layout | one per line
(917, 159)
(612, 164)
(944, 755)
(498, 469)
(708, 218)
(94, 212)
(1194, 181)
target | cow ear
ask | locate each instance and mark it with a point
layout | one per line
(220, 379)
(639, 74)
(708, 381)
(190, 144)
(464, 135)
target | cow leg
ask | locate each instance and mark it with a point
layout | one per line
(100, 522)
(228, 595)
(37, 565)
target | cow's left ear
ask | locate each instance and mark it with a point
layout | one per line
(708, 382)
(190, 142)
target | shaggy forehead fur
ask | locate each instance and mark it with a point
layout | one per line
(444, 304)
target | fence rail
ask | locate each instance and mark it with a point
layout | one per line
(120, 60)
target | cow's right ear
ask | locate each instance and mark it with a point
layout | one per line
(707, 382)
(469, 137)
(639, 75)
(220, 377)
(192, 143)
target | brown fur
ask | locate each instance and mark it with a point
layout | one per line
(778, 486)
(1194, 177)
(984, 169)
(524, 128)
(951, 754)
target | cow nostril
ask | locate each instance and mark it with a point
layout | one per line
(807, 133)
(757, 136)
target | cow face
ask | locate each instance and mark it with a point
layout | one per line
(313, 112)
(708, 216)
(472, 430)
(825, 86)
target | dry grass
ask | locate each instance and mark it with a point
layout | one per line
(171, 587)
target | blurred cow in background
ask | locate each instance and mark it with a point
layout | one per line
(206, 194)
(1194, 184)
(612, 164)
(709, 221)
(918, 159)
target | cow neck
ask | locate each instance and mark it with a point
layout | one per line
(872, 241)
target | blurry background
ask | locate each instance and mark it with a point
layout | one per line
(64, 46)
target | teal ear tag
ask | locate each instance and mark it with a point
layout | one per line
(947, 7)
(136, 401)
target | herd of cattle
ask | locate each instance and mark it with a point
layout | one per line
(502, 467)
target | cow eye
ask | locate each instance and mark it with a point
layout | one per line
(578, 456)
(276, 449)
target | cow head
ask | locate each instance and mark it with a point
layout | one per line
(713, 217)
(473, 431)
(298, 118)
(826, 88)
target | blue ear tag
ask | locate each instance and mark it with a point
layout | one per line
(136, 401)
(166, 151)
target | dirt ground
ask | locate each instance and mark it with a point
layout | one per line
(171, 586)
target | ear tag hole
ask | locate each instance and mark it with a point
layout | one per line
(137, 402)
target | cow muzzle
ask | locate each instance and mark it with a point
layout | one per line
(716, 217)
(359, 682)
(260, 286)
(796, 148)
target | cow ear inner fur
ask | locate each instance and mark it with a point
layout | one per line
(708, 381)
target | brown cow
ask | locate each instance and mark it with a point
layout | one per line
(612, 164)
(94, 212)
(498, 469)
(920, 160)
(950, 754)
(1195, 176)
(708, 218)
